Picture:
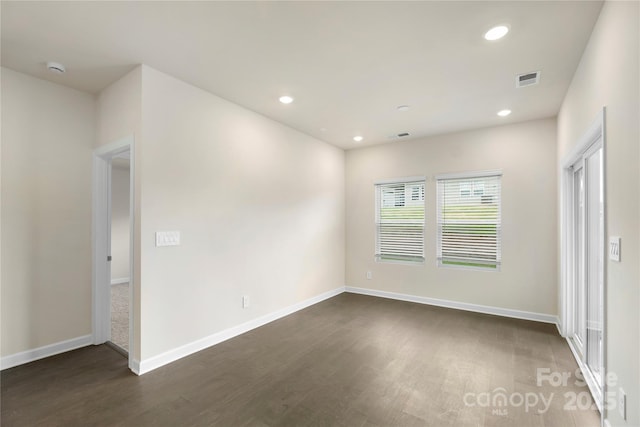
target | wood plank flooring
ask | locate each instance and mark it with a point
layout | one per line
(349, 361)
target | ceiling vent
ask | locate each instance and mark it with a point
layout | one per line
(55, 67)
(528, 79)
(398, 135)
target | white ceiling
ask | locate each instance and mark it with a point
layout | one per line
(347, 64)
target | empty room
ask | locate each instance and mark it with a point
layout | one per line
(331, 213)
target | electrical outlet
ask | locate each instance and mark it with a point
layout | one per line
(622, 403)
(369, 275)
(245, 301)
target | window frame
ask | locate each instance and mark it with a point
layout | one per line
(378, 196)
(490, 266)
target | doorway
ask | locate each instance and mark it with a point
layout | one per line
(113, 225)
(583, 257)
(120, 255)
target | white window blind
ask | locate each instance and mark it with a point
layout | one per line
(400, 221)
(469, 220)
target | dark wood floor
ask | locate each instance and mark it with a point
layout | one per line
(349, 361)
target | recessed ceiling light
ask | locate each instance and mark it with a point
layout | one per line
(286, 99)
(358, 138)
(56, 67)
(504, 113)
(402, 108)
(496, 33)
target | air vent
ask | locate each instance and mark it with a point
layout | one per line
(55, 67)
(398, 135)
(528, 79)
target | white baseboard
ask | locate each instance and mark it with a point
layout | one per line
(134, 366)
(147, 365)
(559, 327)
(119, 281)
(498, 311)
(44, 351)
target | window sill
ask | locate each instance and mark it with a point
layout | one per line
(469, 267)
(400, 262)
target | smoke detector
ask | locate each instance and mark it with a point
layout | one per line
(56, 67)
(528, 79)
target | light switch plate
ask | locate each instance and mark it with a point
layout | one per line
(622, 403)
(614, 248)
(167, 238)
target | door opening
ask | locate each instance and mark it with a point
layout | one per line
(113, 239)
(119, 254)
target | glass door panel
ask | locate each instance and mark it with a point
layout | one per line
(595, 261)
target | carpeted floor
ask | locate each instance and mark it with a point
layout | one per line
(120, 315)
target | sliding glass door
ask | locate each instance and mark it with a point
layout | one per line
(588, 262)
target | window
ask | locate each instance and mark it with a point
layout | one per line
(417, 192)
(469, 223)
(471, 188)
(400, 220)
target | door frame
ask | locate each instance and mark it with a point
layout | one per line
(567, 254)
(101, 239)
(572, 291)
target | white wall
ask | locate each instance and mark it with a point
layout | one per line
(47, 137)
(609, 75)
(260, 209)
(119, 108)
(526, 153)
(119, 222)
